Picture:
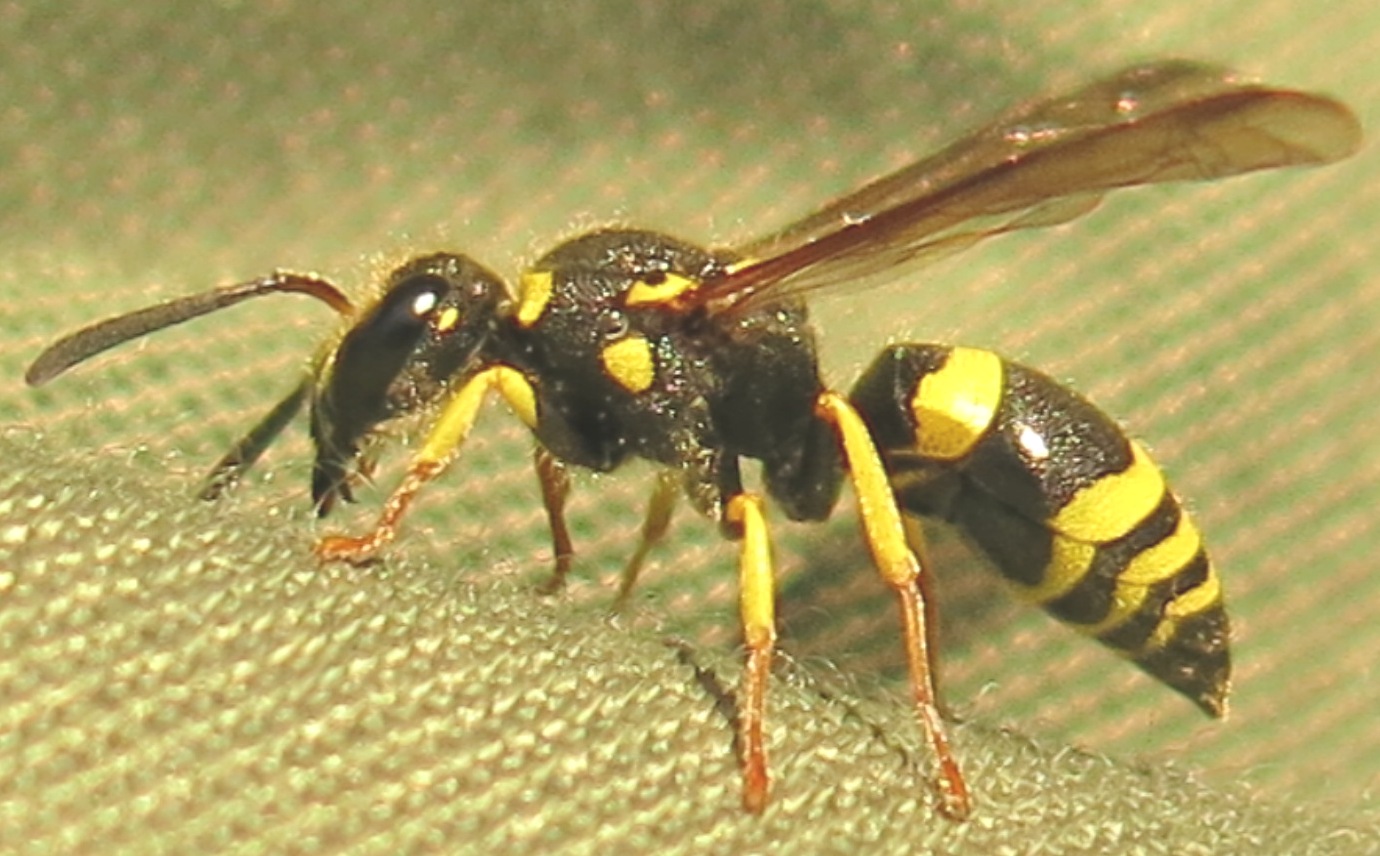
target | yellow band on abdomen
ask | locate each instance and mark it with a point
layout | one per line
(955, 406)
(1110, 507)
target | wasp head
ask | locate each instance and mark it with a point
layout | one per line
(427, 330)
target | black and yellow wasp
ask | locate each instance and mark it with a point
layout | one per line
(625, 344)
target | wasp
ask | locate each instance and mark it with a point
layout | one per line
(623, 344)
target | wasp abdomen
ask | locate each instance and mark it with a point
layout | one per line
(1065, 505)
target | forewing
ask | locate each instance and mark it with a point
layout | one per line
(1044, 163)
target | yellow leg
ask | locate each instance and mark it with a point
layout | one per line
(915, 537)
(757, 604)
(555, 490)
(654, 528)
(900, 569)
(445, 438)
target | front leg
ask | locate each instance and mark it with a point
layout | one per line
(435, 455)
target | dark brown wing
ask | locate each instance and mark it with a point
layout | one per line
(1044, 163)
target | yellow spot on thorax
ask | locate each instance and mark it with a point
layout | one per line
(671, 287)
(956, 405)
(536, 294)
(629, 362)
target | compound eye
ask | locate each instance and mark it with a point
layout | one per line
(418, 297)
(423, 303)
(426, 305)
(402, 315)
(419, 294)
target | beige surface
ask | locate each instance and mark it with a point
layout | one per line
(187, 680)
(149, 152)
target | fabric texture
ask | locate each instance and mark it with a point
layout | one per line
(183, 677)
(186, 679)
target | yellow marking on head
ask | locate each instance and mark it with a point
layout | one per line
(956, 405)
(629, 362)
(536, 294)
(446, 321)
(1200, 598)
(1069, 562)
(1112, 506)
(646, 294)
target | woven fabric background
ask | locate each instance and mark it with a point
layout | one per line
(152, 150)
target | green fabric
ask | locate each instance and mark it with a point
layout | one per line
(184, 678)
